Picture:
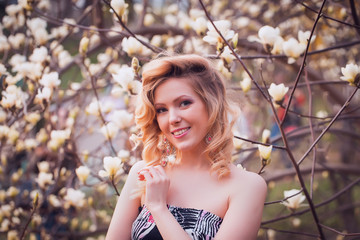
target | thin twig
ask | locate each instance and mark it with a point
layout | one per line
(283, 200)
(303, 62)
(312, 134)
(35, 205)
(328, 126)
(340, 233)
(232, 50)
(148, 45)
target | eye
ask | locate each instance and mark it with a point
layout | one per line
(185, 103)
(160, 110)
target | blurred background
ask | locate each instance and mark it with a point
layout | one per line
(70, 72)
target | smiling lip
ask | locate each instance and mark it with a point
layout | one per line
(178, 133)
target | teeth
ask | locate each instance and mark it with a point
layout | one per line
(180, 132)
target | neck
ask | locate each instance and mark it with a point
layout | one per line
(194, 160)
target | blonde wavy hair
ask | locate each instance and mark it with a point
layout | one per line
(208, 83)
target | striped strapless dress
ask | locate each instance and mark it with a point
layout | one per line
(199, 224)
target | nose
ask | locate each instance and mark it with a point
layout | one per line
(174, 116)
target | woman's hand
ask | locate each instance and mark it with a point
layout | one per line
(157, 186)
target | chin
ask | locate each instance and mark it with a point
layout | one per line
(185, 147)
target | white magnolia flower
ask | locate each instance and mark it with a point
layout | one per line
(227, 55)
(13, 9)
(4, 45)
(82, 173)
(200, 26)
(265, 151)
(58, 138)
(277, 92)
(119, 6)
(36, 23)
(37, 27)
(30, 143)
(123, 155)
(112, 166)
(245, 83)
(64, 58)
(13, 135)
(156, 40)
(212, 37)
(294, 202)
(122, 118)
(43, 166)
(4, 131)
(350, 72)
(278, 46)
(54, 201)
(125, 78)
(93, 108)
(39, 55)
(16, 40)
(41, 36)
(75, 198)
(9, 22)
(12, 234)
(171, 19)
(17, 59)
(109, 130)
(296, 222)
(12, 97)
(133, 47)
(3, 116)
(44, 179)
(50, 80)
(59, 32)
(303, 37)
(293, 49)
(265, 135)
(223, 70)
(268, 36)
(238, 143)
(43, 94)
(29, 69)
(149, 19)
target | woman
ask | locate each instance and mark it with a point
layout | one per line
(190, 188)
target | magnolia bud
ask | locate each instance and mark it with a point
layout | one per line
(265, 153)
(83, 46)
(235, 40)
(135, 65)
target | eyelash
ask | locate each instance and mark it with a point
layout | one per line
(185, 103)
(182, 104)
(160, 110)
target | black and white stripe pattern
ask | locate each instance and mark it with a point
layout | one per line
(199, 224)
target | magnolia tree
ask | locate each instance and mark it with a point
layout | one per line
(70, 72)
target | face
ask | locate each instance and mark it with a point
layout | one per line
(181, 114)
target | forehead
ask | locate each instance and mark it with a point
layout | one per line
(173, 88)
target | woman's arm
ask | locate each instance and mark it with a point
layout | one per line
(243, 217)
(157, 186)
(127, 207)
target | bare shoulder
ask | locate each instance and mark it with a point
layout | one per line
(246, 181)
(138, 166)
(133, 174)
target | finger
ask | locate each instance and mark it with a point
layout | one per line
(161, 170)
(147, 176)
(141, 176)
(154, 173)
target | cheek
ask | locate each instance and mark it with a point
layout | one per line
(161, 122)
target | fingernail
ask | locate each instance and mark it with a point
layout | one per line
(141, 177)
